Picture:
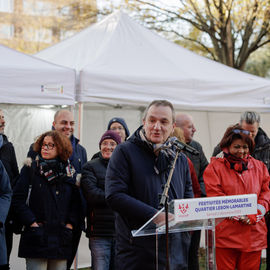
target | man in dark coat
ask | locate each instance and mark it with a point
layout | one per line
(8, 158)
(64, 123)
(185, 122)
(250, 121)
(5, 199)
(136, 175)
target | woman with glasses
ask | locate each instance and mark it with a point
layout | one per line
(47, 202)
(100, 218)
(240, 239)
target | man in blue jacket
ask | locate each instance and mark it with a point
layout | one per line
(65, 124)
(136, 175)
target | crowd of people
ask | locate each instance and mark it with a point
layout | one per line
(118, 191)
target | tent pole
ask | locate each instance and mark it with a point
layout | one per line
(80, 124)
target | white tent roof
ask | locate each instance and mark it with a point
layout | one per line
(28, 80)
(121, 62)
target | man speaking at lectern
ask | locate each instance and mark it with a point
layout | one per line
(136, 175)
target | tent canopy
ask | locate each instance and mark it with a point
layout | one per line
(121, 62)
(28, 80)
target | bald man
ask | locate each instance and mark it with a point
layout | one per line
(185, 122)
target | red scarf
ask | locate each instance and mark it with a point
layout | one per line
(235, 163)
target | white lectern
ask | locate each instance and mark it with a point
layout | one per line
(190, 215)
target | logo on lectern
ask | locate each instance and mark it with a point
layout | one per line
(183, 208)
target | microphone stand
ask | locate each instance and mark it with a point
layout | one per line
(164, 202)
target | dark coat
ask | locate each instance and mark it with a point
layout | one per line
(100, 218)
(199, 162)
(5, 199)
(261, 151)
(135, 178)
(51, 204)
(8, 158)
(77, 160)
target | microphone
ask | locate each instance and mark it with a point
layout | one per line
(184, 146)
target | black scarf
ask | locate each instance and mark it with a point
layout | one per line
(165, 153)
(54, 170)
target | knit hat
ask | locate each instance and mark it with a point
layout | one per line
(110, 134)
(121, 121)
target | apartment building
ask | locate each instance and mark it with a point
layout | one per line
(32, 25)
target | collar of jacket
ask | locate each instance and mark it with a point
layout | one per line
(261, 138)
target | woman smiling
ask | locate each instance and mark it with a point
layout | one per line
(239, 240)
(49, 210)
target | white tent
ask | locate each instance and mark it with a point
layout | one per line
(25, 83)
(122, 62)
(28, 80)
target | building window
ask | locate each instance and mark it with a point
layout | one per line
(40, 8)
(6, 31)
(38, 35)
(6, 6)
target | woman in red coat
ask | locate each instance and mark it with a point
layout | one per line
(239, 240)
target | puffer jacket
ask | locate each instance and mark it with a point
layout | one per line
(53, 205)
(221, 180)
(100, 217)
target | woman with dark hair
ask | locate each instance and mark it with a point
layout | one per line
(47, 202)
(239, 240)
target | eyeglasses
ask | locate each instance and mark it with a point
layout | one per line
(117, 128)
(111, 144)
(238, 131)
(49, 146)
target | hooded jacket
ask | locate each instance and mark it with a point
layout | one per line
(135, 178)
(221, 180)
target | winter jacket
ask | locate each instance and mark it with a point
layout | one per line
(262, 148)
(135, 178)
(221, 180)
(8, 158)
(53, 204)
(261, 151)
(77, 160)
(200, 163)
(100, 218)
(5, 199)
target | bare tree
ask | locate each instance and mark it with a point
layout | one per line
(228, 31)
